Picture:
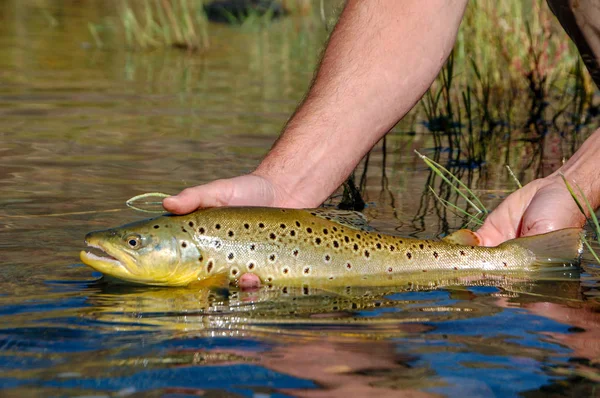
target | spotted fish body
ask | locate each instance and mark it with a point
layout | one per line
(305, 247)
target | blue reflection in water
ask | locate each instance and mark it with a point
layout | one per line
(470, 372)
(239, 379)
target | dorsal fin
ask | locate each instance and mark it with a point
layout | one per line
(463, 237)
(348, 218)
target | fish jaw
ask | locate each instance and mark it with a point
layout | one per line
(113, 264)
(127, 267)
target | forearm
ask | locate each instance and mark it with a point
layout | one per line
(381, 58)
(583, 168)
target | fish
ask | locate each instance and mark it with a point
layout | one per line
(311, 247)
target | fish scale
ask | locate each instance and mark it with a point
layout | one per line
(276, 250)
(306, 247)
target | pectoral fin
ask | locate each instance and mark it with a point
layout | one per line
(213, 281)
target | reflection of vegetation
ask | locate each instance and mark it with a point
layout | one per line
(178, 23)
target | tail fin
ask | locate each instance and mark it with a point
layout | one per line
(558, 247)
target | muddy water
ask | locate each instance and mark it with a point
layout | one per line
(84, 128)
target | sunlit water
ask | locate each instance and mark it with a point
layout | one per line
(83, 129)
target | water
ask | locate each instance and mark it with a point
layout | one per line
(84, 129)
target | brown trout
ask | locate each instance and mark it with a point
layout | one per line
(316, 247)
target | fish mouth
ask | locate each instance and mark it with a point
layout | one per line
(104, 261)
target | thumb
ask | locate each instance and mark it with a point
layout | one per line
(214, 194)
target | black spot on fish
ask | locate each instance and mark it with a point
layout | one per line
(392, 248)
(217, 226)
(261, 225)
(295, 252)
(336, 244)
(506, 265)
(401, 242)
(284, 290)
(305, 290)
(390, 269)
(348, 265)
(234, 271)
(317, 241)
(307, 270)
(246, 225)
(156, 227)
(409, 255)
(379, 236)
(455, 268)
(358, 236)
(269, 279)
(325, 231)
(183, 244)
(313, 214)
(230, 233)
(298, 224)
(252, 247)
(367, 254)
(309, 230)
(201, 230)
(191, 224)
(286, 270)
(200, 258)
(250, 266)
(292, 233)
(462, 252)
(209, 266)
(331, 278)
(335, 229)
(421, 246)
(424, 270)
(435, 254)
(272, 257)
(346, 239)
(272, 236)
(355, 247)
(282, 226)
(378, 245)
(230, 256)
(184, 230)
(472, 247)
(327, 257)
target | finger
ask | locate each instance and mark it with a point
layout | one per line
(249, 281)
(213, 194)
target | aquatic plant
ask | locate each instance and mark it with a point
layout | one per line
(592, 219)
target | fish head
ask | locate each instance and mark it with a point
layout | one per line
(150, 252)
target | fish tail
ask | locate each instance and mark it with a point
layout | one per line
(558, 247)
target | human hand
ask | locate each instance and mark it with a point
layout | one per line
(541, 206)
(247, 190)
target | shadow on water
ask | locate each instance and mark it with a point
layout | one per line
(85, 128)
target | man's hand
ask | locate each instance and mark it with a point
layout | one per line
(541, 206)
(247, 190)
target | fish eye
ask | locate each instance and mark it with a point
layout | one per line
(134, 241)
